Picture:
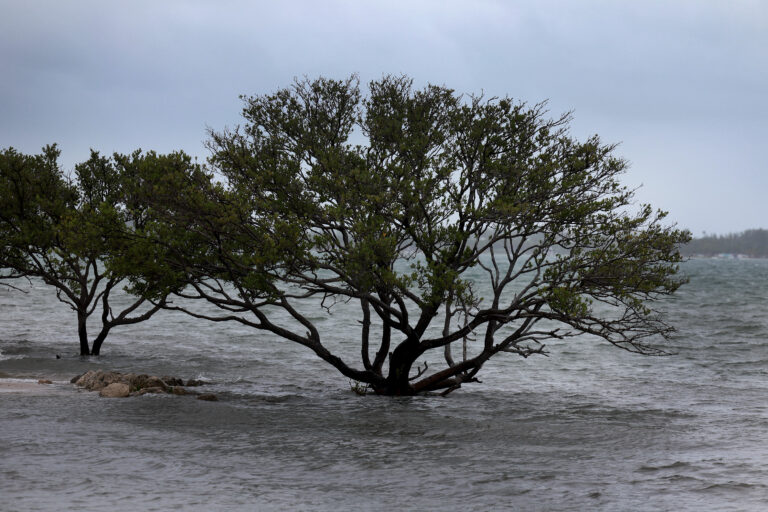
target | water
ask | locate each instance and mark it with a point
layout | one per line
(589, 428)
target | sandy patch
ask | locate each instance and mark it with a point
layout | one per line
(28, 386)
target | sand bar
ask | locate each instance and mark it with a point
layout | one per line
(28, 386)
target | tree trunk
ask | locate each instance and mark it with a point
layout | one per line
(98, 341)
(82, 332)
(400, 364)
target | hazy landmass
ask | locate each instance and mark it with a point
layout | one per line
(752, 243)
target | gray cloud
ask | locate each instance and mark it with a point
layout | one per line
(681, 84)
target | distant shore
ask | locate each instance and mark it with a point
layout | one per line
(750, 244)
(726, 256)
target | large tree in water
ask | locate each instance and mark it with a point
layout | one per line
(70, 232)
(390, 200)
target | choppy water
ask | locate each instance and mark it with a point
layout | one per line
(589, 428)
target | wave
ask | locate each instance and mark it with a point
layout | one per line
(674, 465)
(4, 357)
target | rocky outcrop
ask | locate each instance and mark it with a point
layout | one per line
(96, 380)
(119, 385)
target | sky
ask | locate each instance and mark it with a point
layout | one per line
(681, 85)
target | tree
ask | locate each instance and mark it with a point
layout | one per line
(391, 201)
(71, 234)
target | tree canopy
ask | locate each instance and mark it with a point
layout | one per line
(72, 232)
(391, 199)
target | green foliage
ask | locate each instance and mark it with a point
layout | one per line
(391, 199)
(77, 234)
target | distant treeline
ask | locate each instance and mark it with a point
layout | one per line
(752, 243)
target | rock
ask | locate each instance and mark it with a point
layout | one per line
(210, 397)
(115, 390)
(85, 378)
(90, 380)
(98, 380)
(172, 381)
(147, 381)
(137, 381)
(76, 378)
(194, 382)
(44, 381)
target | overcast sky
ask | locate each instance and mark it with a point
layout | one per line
(683, 85)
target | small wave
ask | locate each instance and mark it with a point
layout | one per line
(675, 465)
(732, 486)
(4, 357)
(15, 380)
(677, 478)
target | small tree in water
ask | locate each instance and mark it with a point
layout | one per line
(390, 201)
(70, 233)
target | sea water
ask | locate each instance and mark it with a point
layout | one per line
(591, 427)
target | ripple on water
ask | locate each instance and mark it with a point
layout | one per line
(589, 428)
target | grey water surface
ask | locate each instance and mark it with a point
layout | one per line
(589, 428)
